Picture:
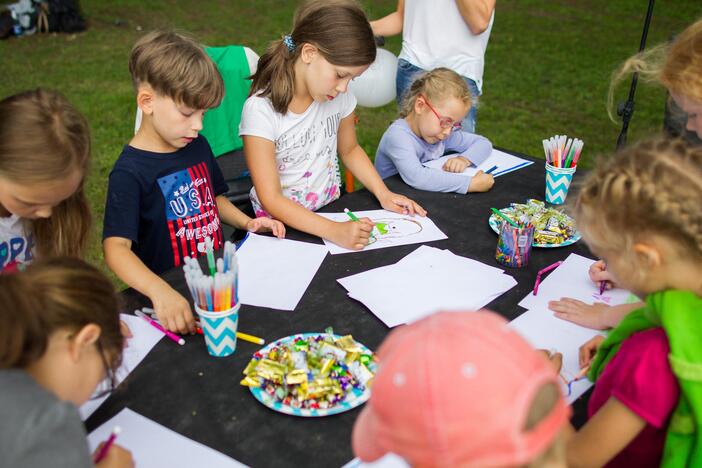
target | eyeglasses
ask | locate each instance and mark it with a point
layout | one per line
(108, 384)
(444, 122)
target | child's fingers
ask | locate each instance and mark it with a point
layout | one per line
(418, 209)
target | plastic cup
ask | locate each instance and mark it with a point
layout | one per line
(558, 181)
(514, 245)
(219, 329)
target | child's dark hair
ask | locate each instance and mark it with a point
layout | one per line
(338, 28)
(43, 138)
(176, 66)
(436, 85)
(51, 295)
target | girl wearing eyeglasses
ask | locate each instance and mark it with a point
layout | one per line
(59, 339)
(430, 126)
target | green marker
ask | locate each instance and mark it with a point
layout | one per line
(502, 215)
(351, 215)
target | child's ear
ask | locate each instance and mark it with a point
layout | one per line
(419, 105)
(308, 52)
(83, 339)
(145, 99)
(648, 255)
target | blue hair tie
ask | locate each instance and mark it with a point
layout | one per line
(289, 43)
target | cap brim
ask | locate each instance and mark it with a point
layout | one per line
(364, 439)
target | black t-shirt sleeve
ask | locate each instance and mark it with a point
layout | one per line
(122, 206)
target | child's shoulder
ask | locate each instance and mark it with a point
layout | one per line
(652, 341)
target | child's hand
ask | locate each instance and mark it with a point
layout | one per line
(481, 182)
(173, 310)
(457, 164)
(116, 457)
(126, 332)
(556, 359)
(589, 349)
(265, 224)
(352, 234)
(400, 204)
(598, 272)
(573, 310)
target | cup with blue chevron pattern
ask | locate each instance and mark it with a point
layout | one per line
(558, 181)
(219, 329)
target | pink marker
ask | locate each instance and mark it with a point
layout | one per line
(542, 272)
(106, 446)
(157, 326)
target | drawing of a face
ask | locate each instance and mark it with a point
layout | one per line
(394, 228)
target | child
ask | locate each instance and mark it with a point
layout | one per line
(462, 389)
(299, 113)
(640, 212)
(44, 156)
(165, 195)
(430, 125)
(59, 338)
(678, 67)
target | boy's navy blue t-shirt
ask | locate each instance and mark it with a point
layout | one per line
(165, 203)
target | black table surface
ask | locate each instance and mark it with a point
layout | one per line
(199, 396)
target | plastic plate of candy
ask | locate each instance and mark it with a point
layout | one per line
(311, 374)
(559, 240)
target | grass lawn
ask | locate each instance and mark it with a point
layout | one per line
(547, 71)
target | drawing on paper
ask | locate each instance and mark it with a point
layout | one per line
(602, 298)
(394, 228)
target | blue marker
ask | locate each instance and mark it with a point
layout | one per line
(489, 171)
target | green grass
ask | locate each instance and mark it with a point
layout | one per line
(547, 70)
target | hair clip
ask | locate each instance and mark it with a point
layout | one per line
(289, 43)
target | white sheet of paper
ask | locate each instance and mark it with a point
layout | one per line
(275, 272)
(425, 281)
(545, 331)
(144, 338)
(505, 163)
(571, 279)
(155, 446)
(403, 229)
(388, 461)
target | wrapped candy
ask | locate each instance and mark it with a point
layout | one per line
(552, 226)
(311, 371)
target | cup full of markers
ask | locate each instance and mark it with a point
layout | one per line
(216, 297)
(562, 155)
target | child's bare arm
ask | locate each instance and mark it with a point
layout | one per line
(260, 158)
(171, 308)
(357, 161)
(391, 24)
(606, 434)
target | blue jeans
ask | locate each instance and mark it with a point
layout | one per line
(406, 74)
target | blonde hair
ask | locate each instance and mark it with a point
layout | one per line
(43, 138)
(677, 66)
(544, 403)
(51, 295)
(174, 65)
(653, 187)
(436, 85)
(340, 31)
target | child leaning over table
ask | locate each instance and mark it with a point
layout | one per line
(165, 194)
(430, 125)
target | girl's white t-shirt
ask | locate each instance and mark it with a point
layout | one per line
(305, 147)
(434, 34)
(16, 247)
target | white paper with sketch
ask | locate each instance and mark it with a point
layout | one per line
(144, 338)
(505, 163)
(571, 279)
(275, 272)
(545, 331)
(425, 281)
(388, 461)
(155, 446)
(396, 229)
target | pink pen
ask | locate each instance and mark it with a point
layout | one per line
(541, 272)
(106, 446)
(157, 326)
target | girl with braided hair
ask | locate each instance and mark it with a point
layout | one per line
(640, 212)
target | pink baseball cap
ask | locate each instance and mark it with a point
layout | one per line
(456, 388)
